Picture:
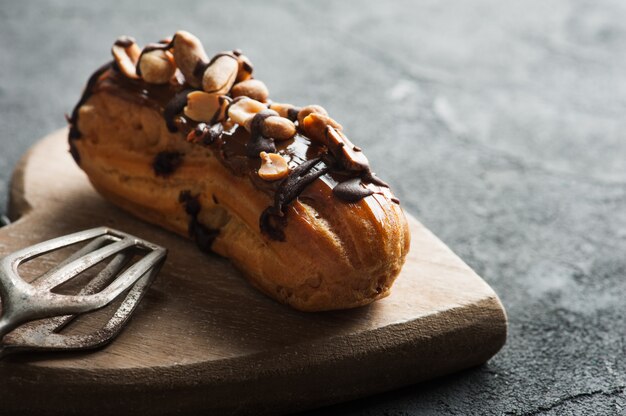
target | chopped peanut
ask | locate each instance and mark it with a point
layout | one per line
(219, 77)
(126, 53)
(242, 110)
(202, 106)
(309, 109)
(278, 128)
(188, 53)
(273, 166)
(252, 88)
(157, 66)
(289, 111)
(314, 126)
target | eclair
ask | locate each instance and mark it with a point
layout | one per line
(195, 145)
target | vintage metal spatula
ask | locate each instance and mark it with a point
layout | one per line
(33, 313)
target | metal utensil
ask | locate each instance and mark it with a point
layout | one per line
(33, 315)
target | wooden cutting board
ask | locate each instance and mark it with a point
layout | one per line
(203, 340)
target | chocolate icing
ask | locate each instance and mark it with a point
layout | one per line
(165, 163)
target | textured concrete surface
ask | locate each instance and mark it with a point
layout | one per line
(500, 124)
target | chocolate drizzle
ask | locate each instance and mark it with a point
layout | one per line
(344, 170)
(165, 163)
(73, 120)
(355, 189)
(351, 190)
(259, 143)
(202, 235)
(273, 218)
(297, 180)
(124, 41)
(247, 67)
(370, 177)
(174, 107)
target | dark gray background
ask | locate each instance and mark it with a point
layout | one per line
(500, 125)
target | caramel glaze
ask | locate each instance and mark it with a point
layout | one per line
(315, 174)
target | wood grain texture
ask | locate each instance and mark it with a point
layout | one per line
(204, 340)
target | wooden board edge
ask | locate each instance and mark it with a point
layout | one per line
(283, 388)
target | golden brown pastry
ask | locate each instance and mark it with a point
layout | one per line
(194, 145)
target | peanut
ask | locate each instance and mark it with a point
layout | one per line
(205, 107)
(188, 54)
(278, 128)
(252, 88)
(350, 156)
(286, 110)
(273, 166)
(156, 66)
(314, 126)
(310, 109)
(126, 53)
(243, 109)
(219, 76)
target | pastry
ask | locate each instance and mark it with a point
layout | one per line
(196, 146)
